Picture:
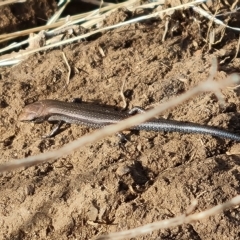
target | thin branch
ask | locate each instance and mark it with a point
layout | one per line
(122, 94)
(172, 222)
(69, 69)
(2, 3)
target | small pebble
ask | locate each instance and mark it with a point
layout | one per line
(123, 170)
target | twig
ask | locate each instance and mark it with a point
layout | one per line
(237, 49)
(2, 3)
(122, 94)
(69, 69)
(211, 17)
(166, 29)
(57, 14)
(101, 3)
(172, 222)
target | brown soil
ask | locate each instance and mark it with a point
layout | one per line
(20, 16)
(102, 187)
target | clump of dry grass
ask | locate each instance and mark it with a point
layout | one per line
(90, 20)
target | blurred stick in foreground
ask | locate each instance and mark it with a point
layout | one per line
(172, 222)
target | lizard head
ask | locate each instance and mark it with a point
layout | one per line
(33, 112)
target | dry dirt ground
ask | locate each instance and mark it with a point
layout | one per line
(103, 188)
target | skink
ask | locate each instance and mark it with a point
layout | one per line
(97, 116)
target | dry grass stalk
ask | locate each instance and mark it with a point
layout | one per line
(172, 222)
(92, 20)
